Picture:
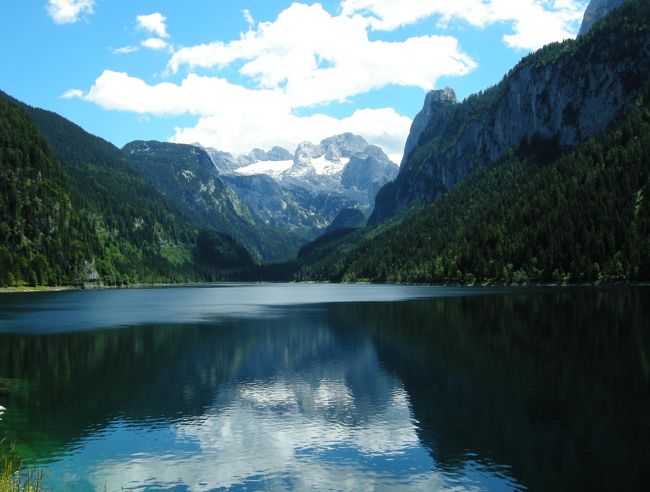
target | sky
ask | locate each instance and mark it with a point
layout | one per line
(242, 74)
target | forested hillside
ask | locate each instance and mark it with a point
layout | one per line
(186, 176)
(115, 227)
(537, 215)
(42, 239)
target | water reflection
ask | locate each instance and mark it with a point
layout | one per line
(535, 390)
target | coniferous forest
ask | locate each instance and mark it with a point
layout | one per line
(74, 211)
(537, 215)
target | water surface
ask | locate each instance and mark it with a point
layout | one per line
(326, 387)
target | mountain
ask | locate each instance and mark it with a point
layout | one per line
(548, 209)
(117, 227)
(186, 175)
(596, 11)
(188, 178)
(304, 192)
(564, 93)
(348, 218)
(42, 238)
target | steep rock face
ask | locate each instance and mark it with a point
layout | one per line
(596, 11)
(434, 102)
(293, 208)
(368, 171)
(225, 162)
(565, 92)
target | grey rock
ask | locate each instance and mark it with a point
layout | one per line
(279, 154)
(227, 163)
(346, 144)
(434, 102)
(274, 155)
(596, 11)
(368, 171)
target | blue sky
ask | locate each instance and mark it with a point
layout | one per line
(238, 74)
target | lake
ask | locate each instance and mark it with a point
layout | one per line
(330, 387)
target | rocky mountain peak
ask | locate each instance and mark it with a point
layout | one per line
(434, 101)
(279, 154)
(596, 11)
(346, 144)
(276, 154)
(305, 152)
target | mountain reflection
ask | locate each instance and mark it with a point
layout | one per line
(490, 392)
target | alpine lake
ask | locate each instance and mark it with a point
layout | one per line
(329, 387)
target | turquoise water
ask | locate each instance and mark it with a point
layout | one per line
(327, 387)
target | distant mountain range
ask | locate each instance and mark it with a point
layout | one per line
(306, 190)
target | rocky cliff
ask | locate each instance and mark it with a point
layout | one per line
(596, 11)
(565, 93)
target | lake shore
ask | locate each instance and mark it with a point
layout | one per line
(62, 288)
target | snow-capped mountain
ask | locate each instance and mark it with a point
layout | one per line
(307, 189)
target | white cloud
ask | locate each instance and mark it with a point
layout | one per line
(155, 43)
(69, 11)
(125, 50)
(248, 17)
(305, 58)
(318, 58)
(535, 22)
(154, 23)
(72, 94)
(237, 119)
(242, 130)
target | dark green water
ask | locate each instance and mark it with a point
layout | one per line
(314, 387)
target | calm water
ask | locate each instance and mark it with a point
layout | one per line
(322, 387)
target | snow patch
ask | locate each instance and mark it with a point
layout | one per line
(323, 166)
(274, 168)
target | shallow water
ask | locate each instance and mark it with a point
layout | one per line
(327, 387)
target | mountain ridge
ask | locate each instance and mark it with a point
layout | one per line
(544, 210)
(566, 91)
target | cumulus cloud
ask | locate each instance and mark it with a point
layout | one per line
(234, 118)
(535, 22)
(251, 127)
(72, 94)
(300, 53)
(306, 58)
(69, 11)
(154, 23)
(154, 43)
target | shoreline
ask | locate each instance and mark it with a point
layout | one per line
(66, 288)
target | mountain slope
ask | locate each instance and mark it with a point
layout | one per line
(544, 211)
(580, 217)
(569, 92)
(187, 176)
(42, 239)
(138, 236)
